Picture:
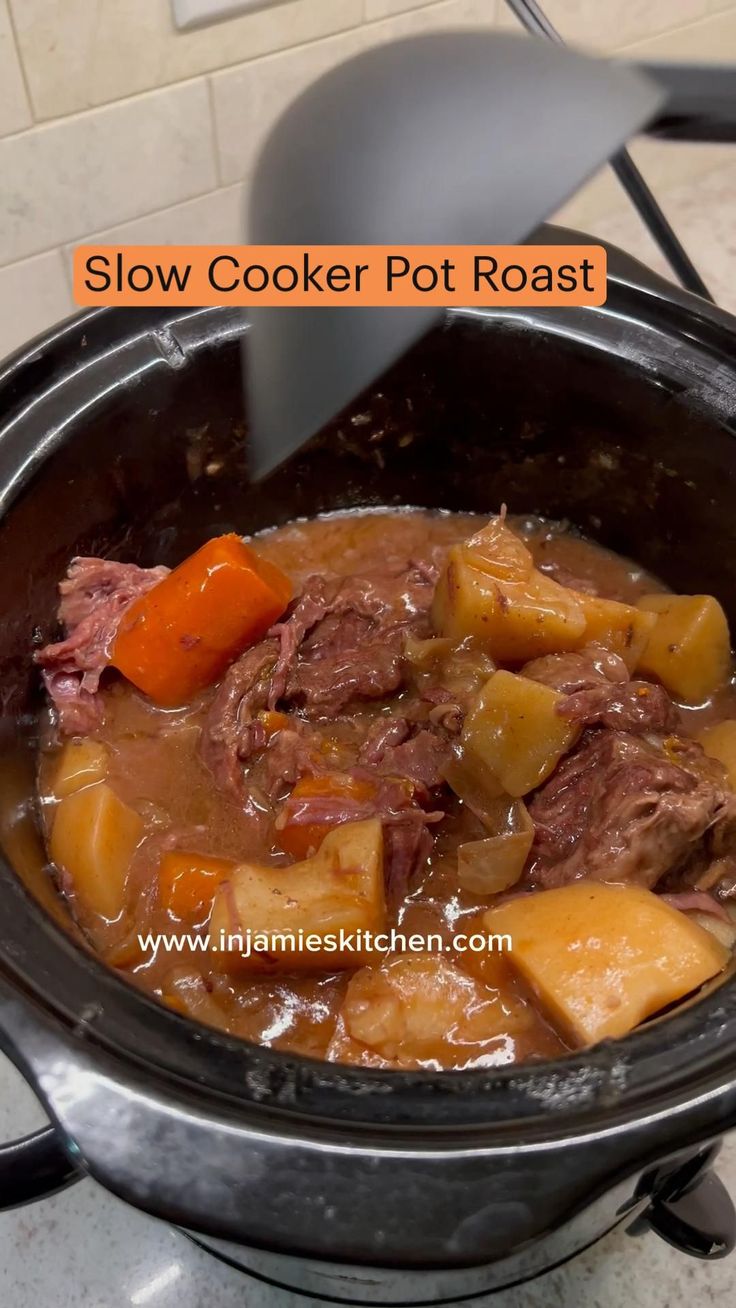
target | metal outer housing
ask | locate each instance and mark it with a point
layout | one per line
(122, 432)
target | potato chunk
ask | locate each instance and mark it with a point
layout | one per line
(81, 763)
(516, 732)
(421, 1010)
(689, 648)
(491, 591)
(719, 741)
(340, 888)
(93, 840)
(512, 620)
(601, 958)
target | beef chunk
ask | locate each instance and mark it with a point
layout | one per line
(569, 673)
(598, 692)
(407, 846)
(94, 596)
(624, 808)
(635, 706)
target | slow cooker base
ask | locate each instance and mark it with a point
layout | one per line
(361, 1287)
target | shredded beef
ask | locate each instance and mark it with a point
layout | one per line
(340, 643)
(697, 901)
(343, 639)
(398, 747)
(292, 753)
(385, 734)
(232, 732)
(624, 808)
(94, 596)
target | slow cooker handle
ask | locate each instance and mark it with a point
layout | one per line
(690, 1207)
(34, 1167)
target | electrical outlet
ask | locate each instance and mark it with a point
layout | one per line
(200, 13)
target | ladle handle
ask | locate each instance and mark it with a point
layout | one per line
(700, 105)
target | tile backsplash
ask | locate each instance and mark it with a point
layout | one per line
(115, 125)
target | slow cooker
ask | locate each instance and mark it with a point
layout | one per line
(123, 432)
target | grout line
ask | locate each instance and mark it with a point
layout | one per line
(66, 265)
(90, 237)
(214, 134)
(40, 124)
(22, 66)
(54, 120)
(705, 21)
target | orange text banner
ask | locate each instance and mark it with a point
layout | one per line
(367, 275)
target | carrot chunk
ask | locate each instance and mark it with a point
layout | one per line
(316, 805)
(181, 635)
(187, 882)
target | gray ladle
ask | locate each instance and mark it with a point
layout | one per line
(455, 138)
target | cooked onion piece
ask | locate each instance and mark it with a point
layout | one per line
(490, 866)
(421, 1010)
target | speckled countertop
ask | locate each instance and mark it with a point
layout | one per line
(85, 1249)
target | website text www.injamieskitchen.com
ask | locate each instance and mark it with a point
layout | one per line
(261, 944)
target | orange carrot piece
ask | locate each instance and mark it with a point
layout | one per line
(273, 722)
(187, 882)
(183, 633)
(299, 837)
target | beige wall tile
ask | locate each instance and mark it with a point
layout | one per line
(15, 111)
(250, 98)
(33, 295)
(702, 218)
(599, 196)
(85, 173)
(80, 53)
(663, 164)
(213, 219)
(609, 24)
(667, 163)
(376, 9)
(712, 40)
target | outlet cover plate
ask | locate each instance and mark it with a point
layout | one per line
(200, 13)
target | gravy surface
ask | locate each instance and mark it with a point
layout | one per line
(155, 766)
